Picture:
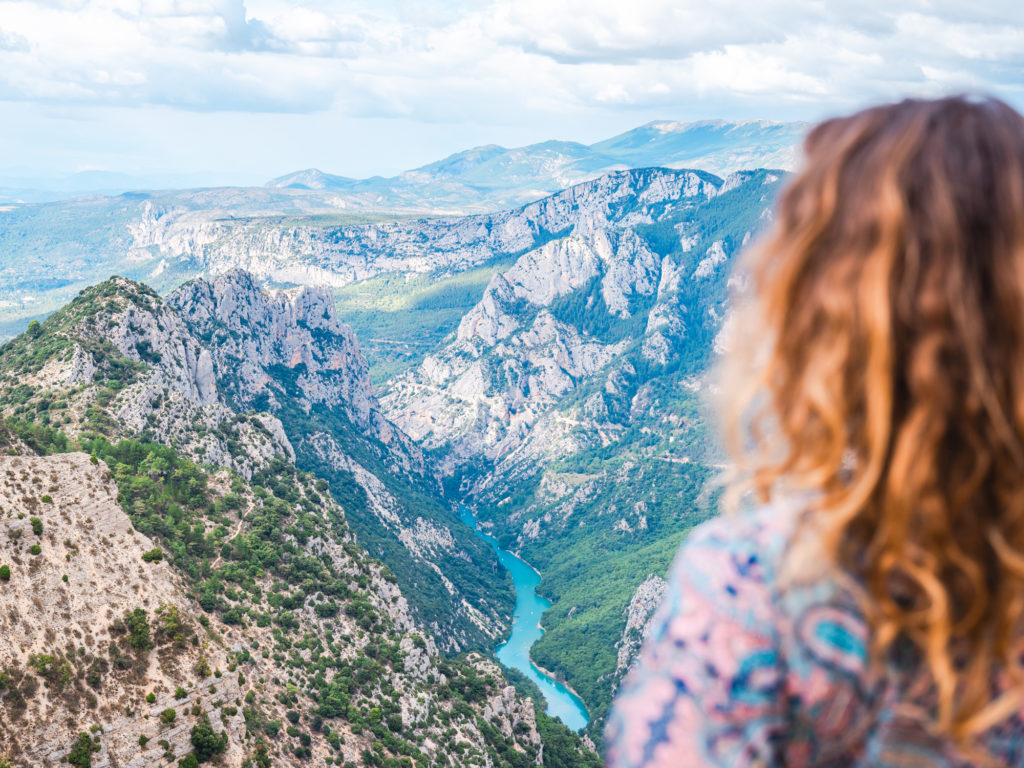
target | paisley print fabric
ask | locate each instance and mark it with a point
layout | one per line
(737, 671)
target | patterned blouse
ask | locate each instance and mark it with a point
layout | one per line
(738, 672)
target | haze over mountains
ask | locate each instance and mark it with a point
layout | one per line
(497, 177)
(51, 250)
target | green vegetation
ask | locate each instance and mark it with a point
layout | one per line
(398, 319)
(82, 750)
(646, 479)
(5, 572)
(562, 746)
(208, 744)
(477, 581)
(37, 525)
(274, 552)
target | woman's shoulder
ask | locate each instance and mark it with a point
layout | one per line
(749, 545)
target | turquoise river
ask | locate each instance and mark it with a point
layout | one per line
(526, 630)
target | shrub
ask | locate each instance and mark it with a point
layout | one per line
(207, 743)
(35, 549)
(46, 498)
(167, 716)
(143, 740)
(5, 572)
(189, 761)
(81, 751)
(37, 524)
(64, 578)
(180, 693)
(150, 697)
(153, 555)
(138, 630)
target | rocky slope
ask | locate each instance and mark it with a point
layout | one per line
(566, 406)
(170, 610)
(235, 376)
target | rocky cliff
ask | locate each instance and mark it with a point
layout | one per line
(169, 609)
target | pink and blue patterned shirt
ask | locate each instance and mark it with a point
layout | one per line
(738, 672)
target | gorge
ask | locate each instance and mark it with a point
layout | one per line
(422, 407)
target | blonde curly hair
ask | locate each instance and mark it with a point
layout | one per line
(882, 373)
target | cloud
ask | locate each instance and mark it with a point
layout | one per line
(12, 42)
(492, 60)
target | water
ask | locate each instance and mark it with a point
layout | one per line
(515, 651)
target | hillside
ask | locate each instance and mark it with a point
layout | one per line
(216, 603)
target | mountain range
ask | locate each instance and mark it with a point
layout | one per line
(51, 250)
(498, 177)
(290, 401)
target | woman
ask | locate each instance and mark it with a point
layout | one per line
(868, 612)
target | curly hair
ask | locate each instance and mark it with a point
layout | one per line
(881, 374)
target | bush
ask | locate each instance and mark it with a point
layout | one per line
(180, 693)
(207, 743)
(153, 555)
(138, 630)
(46, 498)
(37, 524)
(150, 697)
(189, 761)
(167, 716)
(143, 740)
(81, 751)
(35, 549)
(5, 572)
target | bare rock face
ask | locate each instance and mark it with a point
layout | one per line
(252, 330)
(510, 713)
(639, 613)
(523, 348)
(266, 344)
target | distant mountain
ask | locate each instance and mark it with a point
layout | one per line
(27, 186)
(718, 146)
(310, 178)
(502, 177)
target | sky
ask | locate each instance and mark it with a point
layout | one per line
(239, 91)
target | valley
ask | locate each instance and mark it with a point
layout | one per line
(343, 389)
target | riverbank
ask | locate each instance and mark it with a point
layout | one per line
(560, 700)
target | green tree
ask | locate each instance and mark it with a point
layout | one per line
(5, 572)
(138, 630)
(207, 742)
(81, 751)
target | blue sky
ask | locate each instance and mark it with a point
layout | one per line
(243, 90)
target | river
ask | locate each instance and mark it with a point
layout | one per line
(515, 651)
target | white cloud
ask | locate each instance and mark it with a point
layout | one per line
(481, 66)
(458, 60)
